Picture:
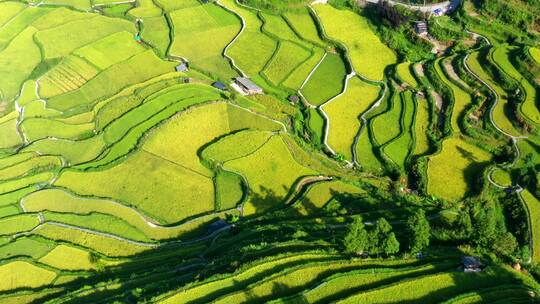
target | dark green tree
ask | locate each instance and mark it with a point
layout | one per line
(419, 231)
(382, 240)
(356, 239)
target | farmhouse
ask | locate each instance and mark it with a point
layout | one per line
(471, 264)
(420, 27)
(247, 86)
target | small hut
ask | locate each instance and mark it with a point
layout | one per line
(471, 264)
(219, 85)
(183, 67)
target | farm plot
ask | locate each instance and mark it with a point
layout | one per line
(172, 5)
(386, 126)
(327, 81)
(344, 113)
(20, 274)
(322, 193)
(437, 287)
(68, 258)
(533, 204)
(399, 149)
(316, 124)
(39, 128)
(26, 246)
(19, 23)
(253, 49)
(235, 146)
(14, 68)
(74, 152)
(535, 54)
(277, 26)
(105, 245)
(421, 126)
(9, 10)
(304, 26)
(365, 155)
(243, 277)
(297, 78)
(369, 56)
(31, 166)
(500, 117)
(208, 122)
(270, 172)
(9, 137)
(501, 56)
(404, 74)
(156, 33)
(201, 33)
(229, 190)
(60, 201)
(60, 16)
(453, 171)
(147, 182)
(461, 98)
(288, 57)
(18, 223)
(138, 68)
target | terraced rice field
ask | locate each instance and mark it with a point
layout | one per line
(123, 180)
(368, 55)
(452, 172)
(344, 115)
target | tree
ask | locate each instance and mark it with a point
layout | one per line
(382, 239)
(356, 239)
(419, 231)
(505, 244)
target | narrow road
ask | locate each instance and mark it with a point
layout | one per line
(446, 6)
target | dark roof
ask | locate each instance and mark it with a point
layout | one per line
(248, 84)
(294, 98)
(420, 27)
(470, 262)
(182, 67)
(219, 85)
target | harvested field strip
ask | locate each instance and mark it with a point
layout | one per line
(436, 288)
(452, 172)
(398, 150)
(462, 99)
(19, 274)
(347, 283)
(99, 222)
(297, 278)
(499, 114)
(344, 115)
(327, 81)
(405, 74)
(421, 126)
(501, 57)
(215, 287)
(274, 163)
(147, 181)
(386, 126)
(102, 244)
(533, 204)
(368, 55)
